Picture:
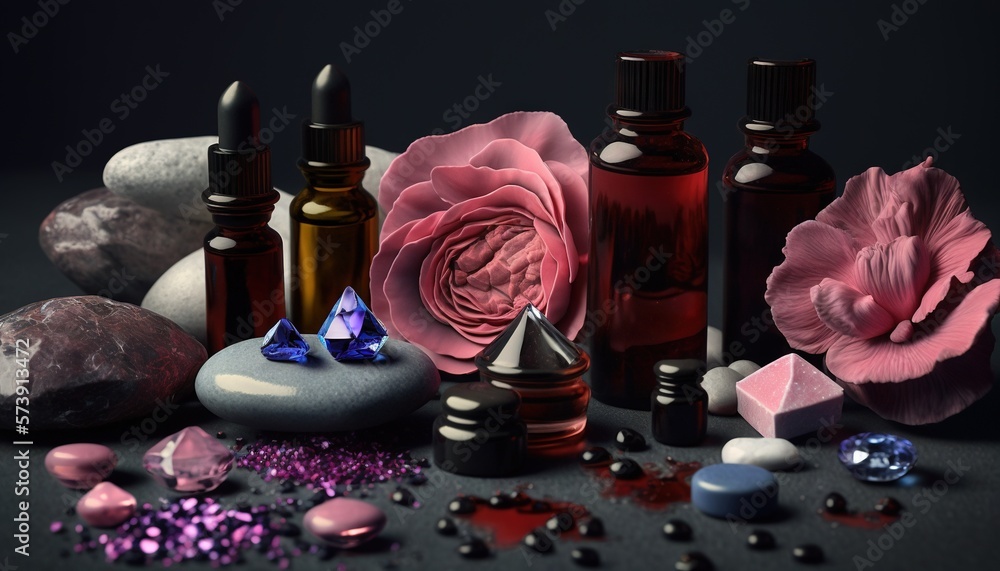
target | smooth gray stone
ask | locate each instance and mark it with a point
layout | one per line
(720, 384)
(744, 367)
(714, 357)
(169, 175)
(769, 453)
(320, 395)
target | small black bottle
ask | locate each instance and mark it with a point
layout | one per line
(680, 405)
(480, 432)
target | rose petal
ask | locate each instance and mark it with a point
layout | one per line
(545, 132)
(881, 360)
(848, 311)
(894, 274)
(813, 252)
(864, 200)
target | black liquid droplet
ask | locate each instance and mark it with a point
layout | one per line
(677, 530)
(630, 440)
(835, 503)
(760, 540)
(808, 553)
(586, 557)
(626, 469)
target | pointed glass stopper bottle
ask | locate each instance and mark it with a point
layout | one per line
(284, 343)
(535, 359)
(352, 332)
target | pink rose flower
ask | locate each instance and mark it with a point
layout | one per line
(897, 282)
(481, 222)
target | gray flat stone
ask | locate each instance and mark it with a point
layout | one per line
(768, 453)
(320, 395)
(720, 384)
(169, 175)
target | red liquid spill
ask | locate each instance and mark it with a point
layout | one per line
(656, 489)
(508, 526)
(860, 520)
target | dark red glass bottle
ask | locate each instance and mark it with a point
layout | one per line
(244, 276)
(647, 297)
(770, 186)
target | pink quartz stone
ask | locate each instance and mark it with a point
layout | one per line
(80, 466)
(189, 461)
(788, 398)
(344, 522)
(106, 505)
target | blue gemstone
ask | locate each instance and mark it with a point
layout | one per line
(284, 343)
(875, 457)
(352, 332)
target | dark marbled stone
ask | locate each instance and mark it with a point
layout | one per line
(93, 361)
(113, 247)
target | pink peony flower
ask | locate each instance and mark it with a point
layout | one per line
(481, 222)
(897, 282)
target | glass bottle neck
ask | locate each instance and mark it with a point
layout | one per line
(326, 178)
(776, 144)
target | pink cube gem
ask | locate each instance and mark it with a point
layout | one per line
(788, 398)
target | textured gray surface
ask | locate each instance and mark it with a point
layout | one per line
(954, 525)
(320, 394)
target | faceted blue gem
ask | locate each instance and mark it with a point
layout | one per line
(284, 343)
(352, 332)
(875, 457)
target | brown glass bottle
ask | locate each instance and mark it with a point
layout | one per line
(244, 277)
(334, 220)
(770, 186)
(647, 295)
(680, 405)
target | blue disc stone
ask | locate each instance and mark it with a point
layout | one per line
(284, 343)
(876, 457)
(734, 491)
(352, 332)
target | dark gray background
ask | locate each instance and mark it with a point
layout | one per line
(891, 97)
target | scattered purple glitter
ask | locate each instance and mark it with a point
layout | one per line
(328, 461)
(56, 527)
(198, 529)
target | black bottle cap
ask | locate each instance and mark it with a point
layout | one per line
(650, 82)
(479, 400)
(779, 90)
(678, 369)
(332, 136)
(239, 164)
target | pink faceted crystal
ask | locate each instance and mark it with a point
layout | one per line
(788, 398)
(189, 461)
(106, 505)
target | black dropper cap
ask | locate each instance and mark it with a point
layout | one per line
(239, 164)
(651, 83)
(332, 136)
(780, 90)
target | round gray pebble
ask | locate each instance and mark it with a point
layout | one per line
(744, 367)
(720, 384)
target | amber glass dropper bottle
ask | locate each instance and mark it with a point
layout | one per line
(334, 220)
(244, 277)
(647, 291)
(771, 185)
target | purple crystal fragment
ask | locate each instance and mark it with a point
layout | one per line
(352, 332)
(284, 343)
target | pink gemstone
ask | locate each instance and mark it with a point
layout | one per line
(106, 505)
(788, 398)
(189, 461)
(344, 522)
(80, 466)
